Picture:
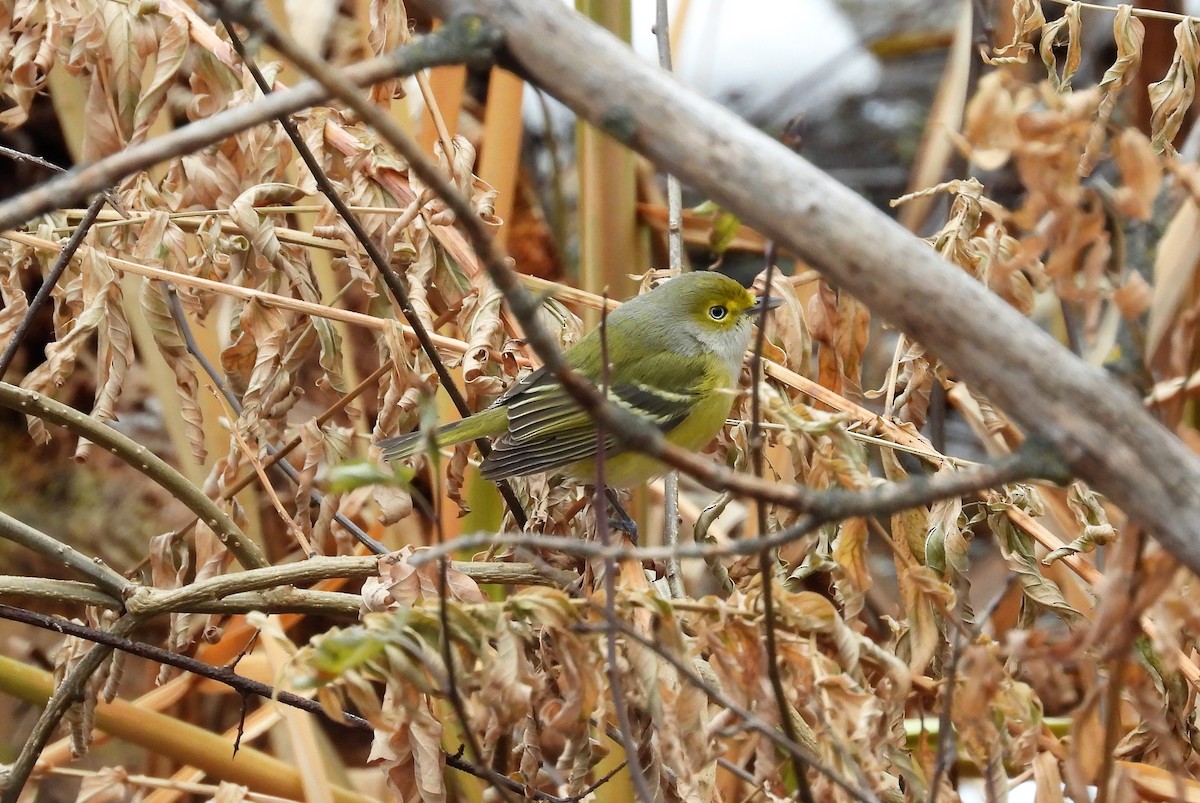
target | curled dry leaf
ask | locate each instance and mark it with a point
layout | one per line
(106, 785)
(401, 584)
(788, 331)
(312, 450)
(485, 336)
(1171, 97)
(27, 57)
(419, 254)
(947, 548)
(256, 226)
(114, 340)
(1090, 514)
(1019, 553)
(1068, 24)
(12, 296)
(849, 551)
(171, 346)
(456, 476)
(990, 132)
(169, 56)
(1027, 19)
(841, 326)
(1129, 33)
(1134, 296)
(1141, 174)
(388, 30)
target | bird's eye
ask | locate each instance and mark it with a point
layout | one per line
(717, 313)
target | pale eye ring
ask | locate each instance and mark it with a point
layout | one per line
(717, 312)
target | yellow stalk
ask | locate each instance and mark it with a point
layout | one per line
(68, 95)
(949, 104)
(500, 153)
(608, 243)
(443, 89)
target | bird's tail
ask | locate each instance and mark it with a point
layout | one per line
(488, 423)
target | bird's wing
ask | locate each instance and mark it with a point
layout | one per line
(547, 429)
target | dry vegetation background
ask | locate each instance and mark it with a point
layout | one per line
(219, 311)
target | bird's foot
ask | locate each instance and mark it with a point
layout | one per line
(620, 520)
(627, 526)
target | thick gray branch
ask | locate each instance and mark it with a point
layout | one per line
(1098, 426)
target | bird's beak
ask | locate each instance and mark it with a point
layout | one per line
(771, 303)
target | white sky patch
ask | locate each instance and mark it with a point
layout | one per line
(769, 60)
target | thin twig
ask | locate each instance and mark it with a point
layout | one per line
(93, 569)
(1148, 13)
(21, 156)
(221, 674)
(766, 559)
(288, 522)
(600, 505)
(56, 271)
(946, 753)
(662, 34)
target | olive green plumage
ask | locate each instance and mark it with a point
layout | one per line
(675, 355)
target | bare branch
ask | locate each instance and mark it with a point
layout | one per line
(55, 551)
(1099, 428)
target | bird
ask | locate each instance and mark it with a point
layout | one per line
(675, 357)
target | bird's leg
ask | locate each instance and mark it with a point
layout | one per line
(621, 520)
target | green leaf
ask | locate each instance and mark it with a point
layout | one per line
(349, 476)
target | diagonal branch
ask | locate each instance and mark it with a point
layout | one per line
(1098, 427)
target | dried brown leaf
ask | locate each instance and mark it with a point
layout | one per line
(1018, 550)
(841, 326)
(1096, 530)
(169, 56)
(106, 785)
(1068, 24)
(850, 553)
(114, 340)
(1141, 174)
(1027, 19)
(12, 294)
(409, 748)
(26, 56)
(1129, 34)
(171, 346)
(990, 132)
(400, 584)
(1176, 262)
(389, 30)
(1134, 296)
(1171, 97)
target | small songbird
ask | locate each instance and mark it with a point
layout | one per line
(675, 356)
